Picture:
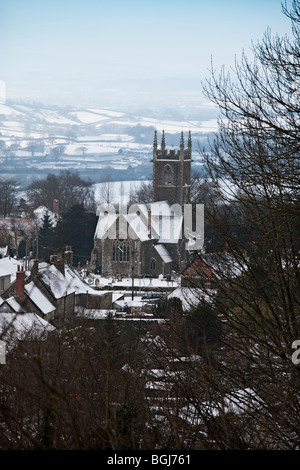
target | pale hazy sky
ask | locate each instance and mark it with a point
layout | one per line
(63, 50)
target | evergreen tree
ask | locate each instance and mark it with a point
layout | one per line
(46, 238)
(76, 228)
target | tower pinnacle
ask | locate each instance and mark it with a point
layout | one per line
(181, 141)
(163, 142)
(155, 141)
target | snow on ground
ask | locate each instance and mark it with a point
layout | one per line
(106, 112)
(88, 118)
(139, 283)
(8, 110)
(120, 190)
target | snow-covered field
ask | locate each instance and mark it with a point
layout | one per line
(120, 190)
(89, 138)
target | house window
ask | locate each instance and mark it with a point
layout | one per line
(2, 284)
(168, 175)
(120, 251)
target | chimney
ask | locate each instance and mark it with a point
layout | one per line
(55, 206)
(69, 255)
(20, 281)
(35, 267)
(58, 263)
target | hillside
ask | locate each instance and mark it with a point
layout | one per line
(37, 139)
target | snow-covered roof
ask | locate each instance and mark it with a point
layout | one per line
(23, 325)
(129, 303)
(139, 283)
(70, 282)
(79, 285)
(38, 298)
(224, 264)
(163, 253)
(4, 272)
(10, 265)
(11, 301)
(56, 281)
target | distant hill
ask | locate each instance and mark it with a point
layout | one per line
(36, 139)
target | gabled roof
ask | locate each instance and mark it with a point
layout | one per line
(12, 303)
(38, 298)
(56, 282)
(75, 282)
(23, 326)
(10, 265)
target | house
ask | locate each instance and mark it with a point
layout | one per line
(23, 295)
(53, 290)
(209, 268)
(198, 274)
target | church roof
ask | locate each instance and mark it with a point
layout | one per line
(163, 253)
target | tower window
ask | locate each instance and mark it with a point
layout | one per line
(168, 175)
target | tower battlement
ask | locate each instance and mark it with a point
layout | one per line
(174, 154)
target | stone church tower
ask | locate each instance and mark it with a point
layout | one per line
(172, 172)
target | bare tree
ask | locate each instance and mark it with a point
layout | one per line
(67, 187)
(8, 195)
(142, 194)
(106, 191)
(254, 160)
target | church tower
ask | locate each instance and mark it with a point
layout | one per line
(172, 172)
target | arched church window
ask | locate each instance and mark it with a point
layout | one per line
(120, 251)
(168, 175)
(153, 264)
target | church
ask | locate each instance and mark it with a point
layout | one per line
(147, 239)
